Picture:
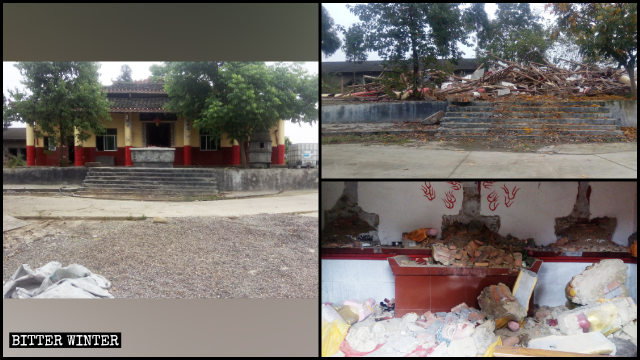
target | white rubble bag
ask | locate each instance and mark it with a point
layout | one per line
(54, 281)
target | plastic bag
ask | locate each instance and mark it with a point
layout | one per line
(334, 330)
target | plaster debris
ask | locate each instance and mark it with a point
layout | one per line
(606, 317)
(585, 343)
(497, 301)
(361, 339)
(605, 279)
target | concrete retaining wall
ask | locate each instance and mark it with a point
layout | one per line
(267, 179)
(44, 175)
(227, 179)
(626, 111)
(381, 112)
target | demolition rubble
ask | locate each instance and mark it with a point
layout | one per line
(604, 321)
(504, 80)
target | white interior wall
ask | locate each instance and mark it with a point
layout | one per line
(534, 208)
(402, 206)
(361, 279)
(619, 200)
(356, 280)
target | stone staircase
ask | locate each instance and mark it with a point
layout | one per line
(531, 120)
(150, 183)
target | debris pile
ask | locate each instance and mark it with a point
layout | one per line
(506, 78)
(476, 254)
(538, 79)
(497, 301)
(604, 280)
(462, 332)
(421, 235)
(348, 225)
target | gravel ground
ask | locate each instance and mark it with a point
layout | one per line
(260, 256)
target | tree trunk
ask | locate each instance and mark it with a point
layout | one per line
(243, 156)
(414, 49)
(629, 66)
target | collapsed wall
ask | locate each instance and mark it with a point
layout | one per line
(348, 224)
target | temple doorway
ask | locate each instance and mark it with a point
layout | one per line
(158, 134)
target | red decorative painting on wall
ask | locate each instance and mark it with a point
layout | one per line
(494, 196)
(448, 198)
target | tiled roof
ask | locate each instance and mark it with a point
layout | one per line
(137, 97)
(376, 66)
(14, 134)
(138, 104)
(135, 88)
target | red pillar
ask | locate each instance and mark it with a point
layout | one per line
(187, 155)
(31, 155)
(235, 155)
(127, 156)
(281, 154)
(77, 154)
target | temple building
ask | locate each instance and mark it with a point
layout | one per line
(138, 119)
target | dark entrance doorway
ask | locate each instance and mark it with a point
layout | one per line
(158, 135)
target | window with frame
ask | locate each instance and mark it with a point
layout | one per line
(49, 144)
(108, 141)
(208, 142)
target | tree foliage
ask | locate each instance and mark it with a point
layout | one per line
(400, 30)
(516, 34)
(8, 116)
(330, 42)
(240, 98)
(125, 74)
(603, 31)
(61, 97)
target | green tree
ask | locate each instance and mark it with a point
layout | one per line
(287, 143)
(330, 42)
(603, 31)
(239, 98)
(158, 72)
(395, 30)
(125, 74)
(61, 97)
(516, 34)
(8, 115)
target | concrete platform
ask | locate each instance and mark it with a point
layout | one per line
(612, 161)
(66, 207)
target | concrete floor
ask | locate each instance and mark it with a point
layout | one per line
(61, 206)
(617, 160)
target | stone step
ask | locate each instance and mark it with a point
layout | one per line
(150, 189)
(447, 120)
(509, 127)
(149, 196)
(487, 114)
(580, 109)
(541, 137)
(181, 172)
(181, 179)
(137, 183)
(534, 103)
(490, 131)
(177, 187)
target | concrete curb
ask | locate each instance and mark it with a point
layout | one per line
(130, 218)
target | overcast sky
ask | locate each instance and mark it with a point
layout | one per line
(110, 70)
(342, 16)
